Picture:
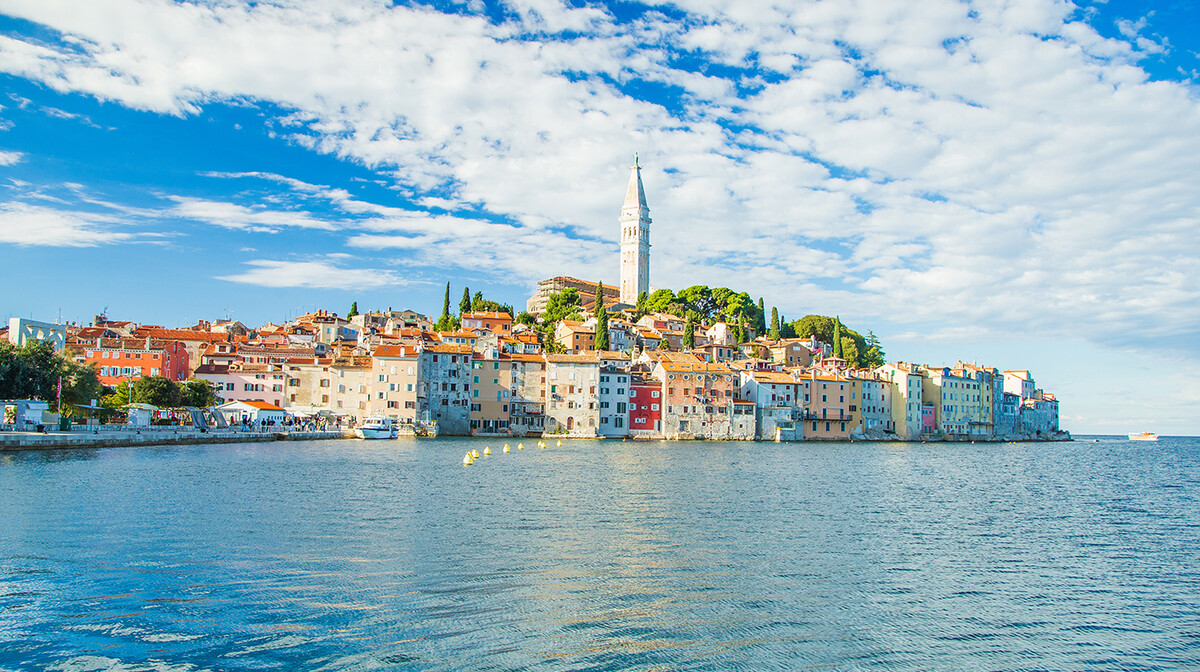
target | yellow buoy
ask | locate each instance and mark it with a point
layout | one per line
(474, 453)
(506, 447)
(560, 443)
(520, 446)
(467, 461)
(487, 451)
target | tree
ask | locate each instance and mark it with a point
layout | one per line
(446, 322)
(874, 355)
(464, 305)
(837, 337)
(598, 303)
(197, 393)
(774, 333)
(563, 305)
(353, 310)
(760, 324)
(850, 352)
(525, 318)
(660, 301)
(642, 300)
(156, 391)
(689, 334)
(786, 330)
(698, 298)
(602, 330)
(34, 370)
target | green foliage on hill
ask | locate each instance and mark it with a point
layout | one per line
(856, 349)
(705, 305)
(564, 305)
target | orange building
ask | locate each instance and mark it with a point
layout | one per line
(124, 359)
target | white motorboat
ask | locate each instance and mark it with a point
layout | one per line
(377, 428)
(1143, 436)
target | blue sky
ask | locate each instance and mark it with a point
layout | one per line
(1010, 182)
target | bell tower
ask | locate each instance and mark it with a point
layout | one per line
(635, 239)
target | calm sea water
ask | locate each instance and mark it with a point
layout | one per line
(350, 555)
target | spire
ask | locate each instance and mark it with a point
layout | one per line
(635, 196)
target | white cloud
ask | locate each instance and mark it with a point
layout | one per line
(316, 274)
(33, 225)
(10, 158)
(234, 216)
(995, 166)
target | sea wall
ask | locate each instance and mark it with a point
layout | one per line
(147, 436)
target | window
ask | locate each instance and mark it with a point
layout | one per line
(654, 407)
(654, 394)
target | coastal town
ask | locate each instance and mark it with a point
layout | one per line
(584, 359)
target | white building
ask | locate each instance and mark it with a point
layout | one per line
(21, 330)
(614, 401)
(635, 239)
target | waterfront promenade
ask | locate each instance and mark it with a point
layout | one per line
(108, 436)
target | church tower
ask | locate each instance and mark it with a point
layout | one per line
(635, 239)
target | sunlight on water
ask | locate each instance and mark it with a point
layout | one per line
(350, 555)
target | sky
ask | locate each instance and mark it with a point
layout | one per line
(1009, 182)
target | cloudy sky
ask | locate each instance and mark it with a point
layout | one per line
(1013, 182)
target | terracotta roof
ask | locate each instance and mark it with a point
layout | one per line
(395, 351)
(694, 367)
(262, 405)
(449, 348)
(774, 377)
(588, 358)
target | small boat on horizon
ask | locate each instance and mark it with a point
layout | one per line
(1143, 436)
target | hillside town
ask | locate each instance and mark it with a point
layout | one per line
(491, 377)
(583, 360)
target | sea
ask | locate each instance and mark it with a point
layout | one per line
(603, 555)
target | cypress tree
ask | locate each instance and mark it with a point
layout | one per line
(837, 337)
(353, 310)
(774, 333)
(689, 334)
(446, 303)
(602, 331)
(464, 306)
(760, 325)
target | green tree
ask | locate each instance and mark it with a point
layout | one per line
(464, 305)
(773, 334)
(850, 352)
(837, 337)
(353, 310)
(34, 370)
(874, 355)
(660, 301)
(156, 391)
(197, 393)
(689, 334)
(602, 330)
(525, 318)
(698, 298)
(446, 322)
(642, 300)
(563, 305)
(760, 325)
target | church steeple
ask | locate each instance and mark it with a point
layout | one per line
(635, 238)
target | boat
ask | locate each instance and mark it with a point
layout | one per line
(1143, 436)
(377, 428)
